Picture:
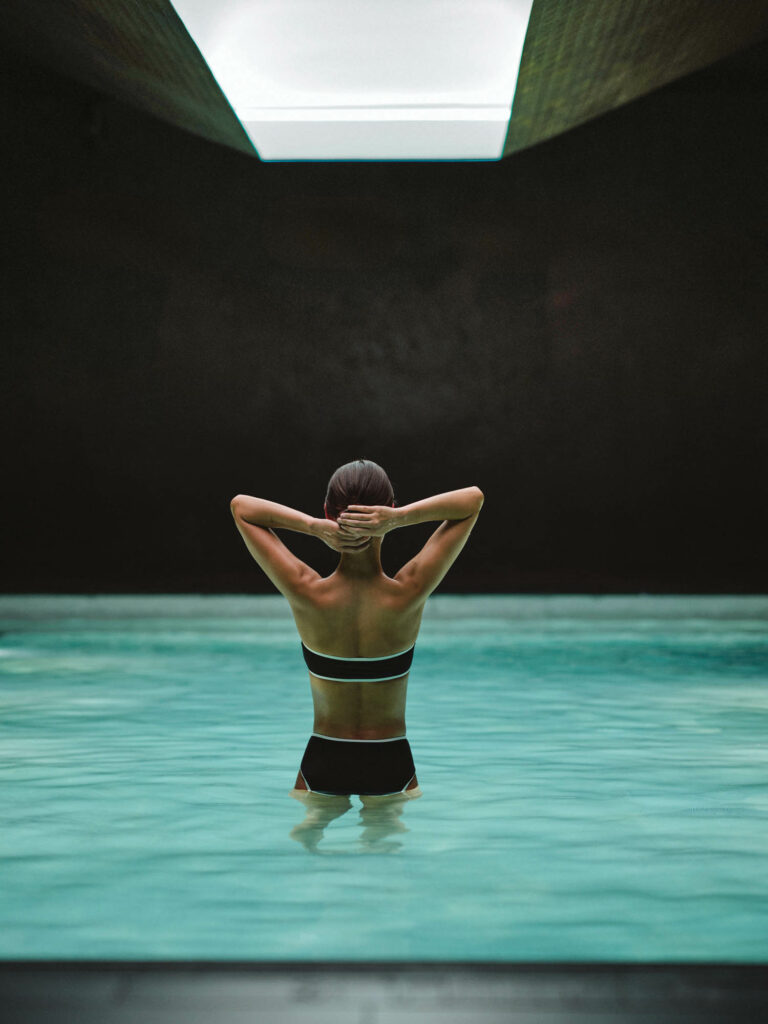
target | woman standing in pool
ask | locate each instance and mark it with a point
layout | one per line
(358, 626)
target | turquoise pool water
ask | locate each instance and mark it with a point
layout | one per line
(594, 774)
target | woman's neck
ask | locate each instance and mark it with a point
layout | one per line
(362, 564)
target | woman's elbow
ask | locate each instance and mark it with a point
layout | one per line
(477, 498)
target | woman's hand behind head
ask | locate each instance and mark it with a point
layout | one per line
(369, 520)
(340, 538)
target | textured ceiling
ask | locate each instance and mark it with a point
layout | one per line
(584, 58)
(581, 57)
(135, 50)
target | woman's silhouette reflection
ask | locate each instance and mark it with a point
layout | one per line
(380, 818)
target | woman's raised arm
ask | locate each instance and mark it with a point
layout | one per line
(270, 515)
(260, 512)
(451, 505)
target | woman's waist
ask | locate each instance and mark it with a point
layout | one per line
(392, 729)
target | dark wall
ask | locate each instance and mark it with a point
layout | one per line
(579, 329)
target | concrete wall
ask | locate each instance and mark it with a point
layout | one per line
(580, 330)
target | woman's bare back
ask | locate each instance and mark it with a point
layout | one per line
(349, 618)
(358, 618)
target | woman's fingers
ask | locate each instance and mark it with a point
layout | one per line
(357, 524)
(351, 538)
(350, 531)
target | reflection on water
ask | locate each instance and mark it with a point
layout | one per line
(380, 817)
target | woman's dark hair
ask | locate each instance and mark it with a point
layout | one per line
(358, 483)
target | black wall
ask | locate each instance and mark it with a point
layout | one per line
(579, 329)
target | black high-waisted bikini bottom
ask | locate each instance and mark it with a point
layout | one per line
(340, 767)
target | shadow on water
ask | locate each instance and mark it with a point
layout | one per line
(380, 818)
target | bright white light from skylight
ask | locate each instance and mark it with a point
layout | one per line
(365, 79)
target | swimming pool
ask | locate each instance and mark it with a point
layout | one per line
(593, 769)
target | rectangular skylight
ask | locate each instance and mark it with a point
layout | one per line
(365, 79)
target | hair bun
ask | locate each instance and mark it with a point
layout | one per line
(361, 482)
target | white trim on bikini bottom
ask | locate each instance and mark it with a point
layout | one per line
(383, 657)
(346, 739)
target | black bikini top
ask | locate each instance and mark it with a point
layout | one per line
(372, 670)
